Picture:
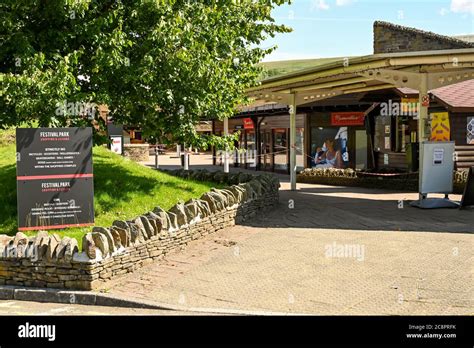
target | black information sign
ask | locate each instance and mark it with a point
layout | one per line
(55, 182)
(468, 196)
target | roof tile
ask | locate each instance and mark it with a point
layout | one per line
(459, 95)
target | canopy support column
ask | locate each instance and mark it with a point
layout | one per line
(423, 110)
(292, 109)
(422, 120)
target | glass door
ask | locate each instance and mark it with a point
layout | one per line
(251, 150)
(266, 158)
(280, 149)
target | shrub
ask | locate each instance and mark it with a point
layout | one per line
(394, 180)
(329, 172)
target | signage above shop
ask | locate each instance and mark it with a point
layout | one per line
(347, 118)
(248, 123)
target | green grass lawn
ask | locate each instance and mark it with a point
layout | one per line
(123, 190)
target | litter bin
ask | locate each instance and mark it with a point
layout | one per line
(412, 153)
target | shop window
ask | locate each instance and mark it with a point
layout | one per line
(403, 136)
(329, 147)
(238, 157)
(136, 137)
(251, 149)
(300, 160)
(394, 133)
(280, 148)
(383, 132)
(470, 130)
(266, 160)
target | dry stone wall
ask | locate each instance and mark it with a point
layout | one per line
(47, 261)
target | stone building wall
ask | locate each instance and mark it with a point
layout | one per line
(47, 261)
(393, 38)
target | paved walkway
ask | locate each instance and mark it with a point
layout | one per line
(169, 160)
(42, 308)
(324, 250)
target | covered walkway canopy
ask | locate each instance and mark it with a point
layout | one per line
(422, 71)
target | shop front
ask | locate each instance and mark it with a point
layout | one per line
(377, 130)
(263, 142)
(245, 153)
(275, 144)
(338, 140)
(396, 128)
(394, 132)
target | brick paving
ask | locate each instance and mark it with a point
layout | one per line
(409, 261)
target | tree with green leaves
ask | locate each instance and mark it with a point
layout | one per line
(162, 65)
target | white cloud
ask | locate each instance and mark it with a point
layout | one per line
(462, 6)
(319, 5)
(443, 11)
(343, 2)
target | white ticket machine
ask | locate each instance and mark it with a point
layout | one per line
(436, 174)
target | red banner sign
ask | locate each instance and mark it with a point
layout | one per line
(347, 118)
(248, 123)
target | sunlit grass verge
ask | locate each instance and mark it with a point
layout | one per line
(123, 190)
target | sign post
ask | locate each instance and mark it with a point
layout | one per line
(156, 158)
(55, 186)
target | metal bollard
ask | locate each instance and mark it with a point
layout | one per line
(186, 161)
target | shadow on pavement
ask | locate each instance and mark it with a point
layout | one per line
(351, 208)
(361, 209)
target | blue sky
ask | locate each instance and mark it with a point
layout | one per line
(340, 28)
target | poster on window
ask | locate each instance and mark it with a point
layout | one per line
(470, 130)
(329, 148)
(440, 128)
